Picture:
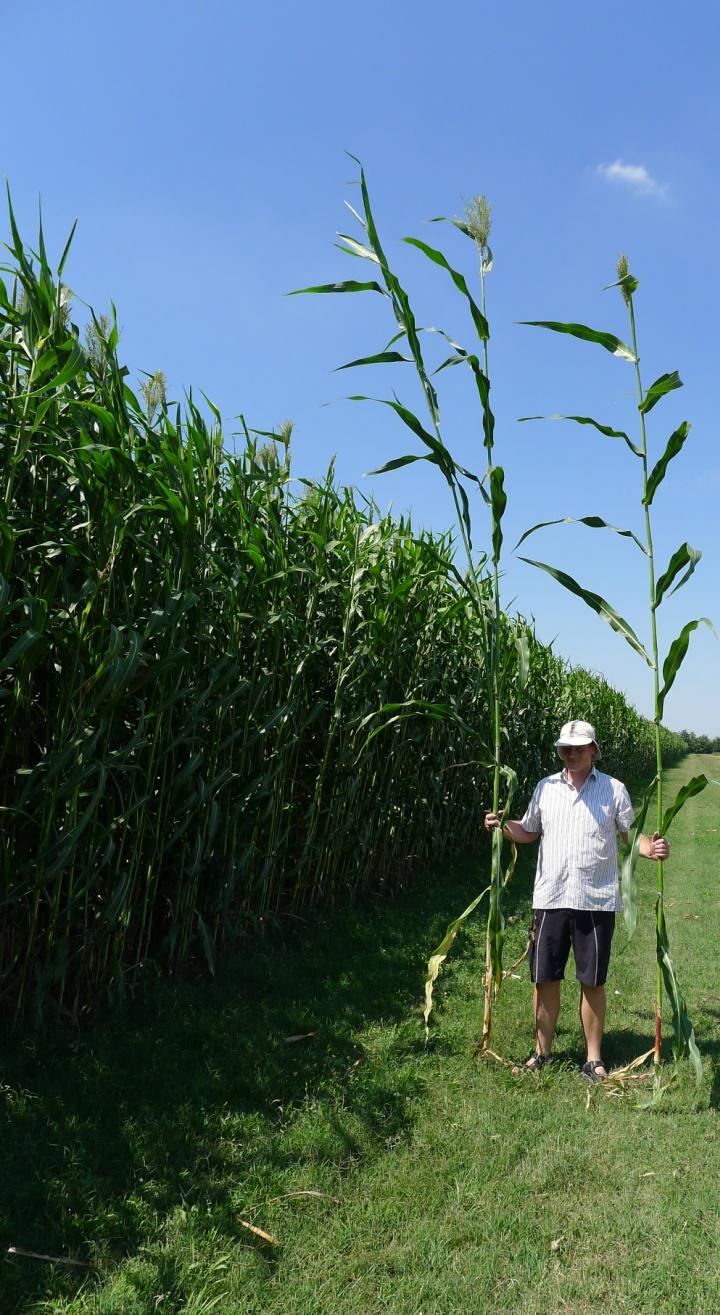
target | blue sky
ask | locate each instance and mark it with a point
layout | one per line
(202, 148)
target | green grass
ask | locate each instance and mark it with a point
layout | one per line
(449, 1184)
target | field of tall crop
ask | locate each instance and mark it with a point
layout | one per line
(227, 692)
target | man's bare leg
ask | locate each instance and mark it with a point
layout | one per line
(592, 1017)
(546, 1000)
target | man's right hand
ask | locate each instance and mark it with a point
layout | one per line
(492, 821)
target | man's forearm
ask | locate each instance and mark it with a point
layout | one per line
(516, 831)
(653, 847)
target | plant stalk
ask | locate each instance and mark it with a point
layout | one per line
(660, 901)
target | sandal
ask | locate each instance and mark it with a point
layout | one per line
(590, 1068)
(536, 1062)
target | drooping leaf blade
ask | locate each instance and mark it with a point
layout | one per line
(449, 219)
(398, 462)
(665, 384)
(685, 559)
(498, 499)
(684, 1039)
(439, 955)
(464, 510)
(676, 656)
(397, 712)
(598, 605)
(72, 367)
(444, 460)
(687, 791)
(588, 420)
(437, 257)
(381, 358)
(628, 882)
(606, 340)
(657, 474)
(345, 285)
(594, 522)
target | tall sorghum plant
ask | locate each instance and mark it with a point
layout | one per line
(678, 570)
(503, 659)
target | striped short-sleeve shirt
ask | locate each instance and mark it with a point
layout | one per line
(577, 862)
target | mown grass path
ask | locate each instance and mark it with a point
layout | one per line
(146, 1146)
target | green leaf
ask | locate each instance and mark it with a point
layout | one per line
(598, 605)
(509, 776)
(438, 957)
(355, 248)
(19, 649)
(691, 788)
(397, 712)
(595, 523)
(66, 250)
(382, 358)
(71, 368)
(444, 460)
(498, 499)
(628, 882)
(451, 360)
(675, 658)
(368, 222)
(665, 384)
(348, 285)
(522, 644)
(684, 556)
(684, 1039)
(397, 462)
(658, 1095)
(629, 284)
(606, 340)
(481, 324)
(587, 420)
(44, 363)
(657, 475)
(464, 511)
(483, 387)
(17, 248)
(459, 223)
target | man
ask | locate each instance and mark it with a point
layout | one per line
(576, 815)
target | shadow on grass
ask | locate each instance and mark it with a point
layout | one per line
(302, 1052)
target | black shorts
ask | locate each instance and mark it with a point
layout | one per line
(590, 933)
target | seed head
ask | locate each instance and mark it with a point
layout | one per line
(477, 218)
(268, 457)
(154, 390)
(627, 282)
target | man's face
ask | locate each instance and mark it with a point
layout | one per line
(578, 757)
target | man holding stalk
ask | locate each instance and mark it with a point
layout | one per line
(576, 815)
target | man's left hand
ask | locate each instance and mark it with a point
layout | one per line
(659, 848)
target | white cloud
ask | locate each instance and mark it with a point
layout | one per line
(634, 176)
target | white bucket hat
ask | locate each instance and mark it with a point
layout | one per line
(577, 733)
